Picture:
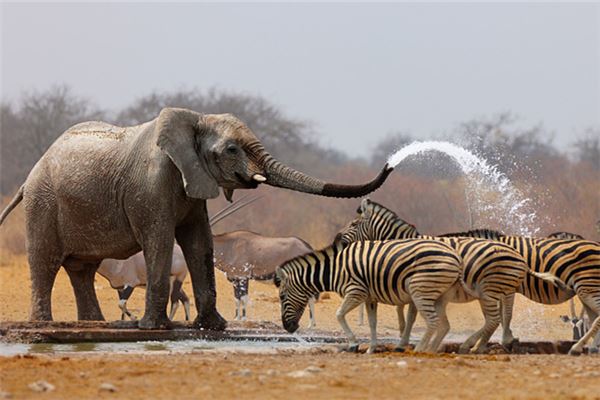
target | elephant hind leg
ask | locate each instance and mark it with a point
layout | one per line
(43, 275)
(82, 280)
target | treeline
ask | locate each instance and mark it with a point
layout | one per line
(562, 183)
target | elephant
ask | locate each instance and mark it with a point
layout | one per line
(103, 191)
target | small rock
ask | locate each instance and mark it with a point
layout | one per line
(305, 373)
(313, 369)
(299, 374)
(5, 395)
(107, 387)
(83, 374)
(537, 372)
(461, 362)
(41, 386)
(241, 372)
(554, 376)
(402, 364)
(271, 372)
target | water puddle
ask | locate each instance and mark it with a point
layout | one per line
(184, 346)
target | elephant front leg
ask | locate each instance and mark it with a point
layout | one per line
(195, 240)
(158, 254)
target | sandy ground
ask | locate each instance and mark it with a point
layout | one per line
(283, 372)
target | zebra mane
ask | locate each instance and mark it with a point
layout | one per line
(565, 235)
(391, 214)
(480, 233)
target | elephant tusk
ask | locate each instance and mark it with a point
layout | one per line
(259, 178)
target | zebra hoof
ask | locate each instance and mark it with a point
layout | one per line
(352, 349)
(574, 352)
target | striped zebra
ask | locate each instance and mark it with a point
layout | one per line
(491, 271)
(424, 272)
(574, 262)
(579, 322)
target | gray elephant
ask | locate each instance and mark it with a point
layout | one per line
(102, 191)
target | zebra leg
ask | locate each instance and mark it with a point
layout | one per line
(444, 326)
(124, 295)
(361, 315)
(311, 311)
(507, 309)
(426, 308)
(350, 302)
(491, 311)
(592, 307)
(401, 325)
(411, 316)
(371, 307)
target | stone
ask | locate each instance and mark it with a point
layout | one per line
(402, 364)
(41, 386)
(241, 372)
(107, 387)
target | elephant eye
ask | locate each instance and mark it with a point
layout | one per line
(232, 149)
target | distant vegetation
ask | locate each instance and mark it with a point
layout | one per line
(564, 183)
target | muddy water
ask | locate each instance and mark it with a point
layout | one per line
(154, 347)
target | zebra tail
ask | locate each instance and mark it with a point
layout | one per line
(548, 277)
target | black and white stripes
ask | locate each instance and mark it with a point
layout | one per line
(424, 272)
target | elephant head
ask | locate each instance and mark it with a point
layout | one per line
(212, 150)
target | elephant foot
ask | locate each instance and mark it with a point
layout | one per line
(594, 350)
(211, 320)
(399, 349)
(154, 323)
(463, 350)
(91, 316)
(40, 317)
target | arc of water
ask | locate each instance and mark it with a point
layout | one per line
(512, 209)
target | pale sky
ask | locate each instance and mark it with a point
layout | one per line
(358, 71)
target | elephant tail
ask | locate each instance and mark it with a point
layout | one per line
(13, 203)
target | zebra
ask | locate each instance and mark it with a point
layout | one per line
(580, 323)
(574, 262)
(491, 271)
(425, 272)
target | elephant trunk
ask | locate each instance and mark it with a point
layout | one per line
(281, 175)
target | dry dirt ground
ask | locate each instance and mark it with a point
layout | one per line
(296, 372)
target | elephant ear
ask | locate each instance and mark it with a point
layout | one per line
(177, 130)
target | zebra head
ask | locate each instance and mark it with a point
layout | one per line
(293, 296)
(349, 233)
(376, 222)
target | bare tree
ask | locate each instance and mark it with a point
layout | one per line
(30, 127)
(587, 148)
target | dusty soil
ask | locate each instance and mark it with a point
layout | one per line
(330, 374)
